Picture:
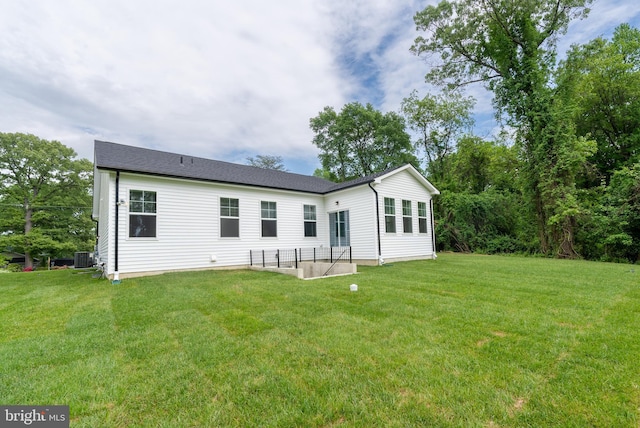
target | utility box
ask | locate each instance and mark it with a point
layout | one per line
(82, 260)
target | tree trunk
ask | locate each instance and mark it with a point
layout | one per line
(28, 225)
(566, 249)
(541, 217)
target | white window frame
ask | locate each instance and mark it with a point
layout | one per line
(143, 214)
(268, 214)
(422, 218)
(407, 216)
(310, 217)
(229, 213)
(390, 215)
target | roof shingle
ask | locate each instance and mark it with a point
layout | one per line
(119, 157)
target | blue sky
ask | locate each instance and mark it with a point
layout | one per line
(222, 80)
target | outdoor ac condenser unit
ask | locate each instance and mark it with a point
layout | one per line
(82, 260)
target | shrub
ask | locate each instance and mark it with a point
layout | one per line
(14, 267)
(485, 222)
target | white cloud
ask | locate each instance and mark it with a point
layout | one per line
(212, 78)
(217, 79)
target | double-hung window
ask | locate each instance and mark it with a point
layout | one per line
(269, 215)
(422, 217)
(142, 214)
(390, 215)
(407, 217)
(229, 218)
(310, 219)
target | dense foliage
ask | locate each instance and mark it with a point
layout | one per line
(45, 198)
(438, 120)
(510, 48)
(360, 140)
(572, 187)
(564, 178)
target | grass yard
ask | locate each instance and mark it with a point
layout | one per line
(464, 341)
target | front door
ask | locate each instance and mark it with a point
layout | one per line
(339, 229)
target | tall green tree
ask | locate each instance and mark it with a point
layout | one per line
(601, 81)
(510, 47)
(439, 121)
(360, 140)
(45, 197)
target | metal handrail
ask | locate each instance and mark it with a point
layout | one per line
(337, 260)
(291, 257)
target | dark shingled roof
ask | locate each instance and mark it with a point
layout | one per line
(119, 157)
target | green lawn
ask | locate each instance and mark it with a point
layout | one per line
(464, 341)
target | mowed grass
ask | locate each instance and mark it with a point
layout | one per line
(463, 341)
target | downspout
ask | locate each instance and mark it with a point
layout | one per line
(433, 235)
(117, 232)
(95, 243)
(377, 221)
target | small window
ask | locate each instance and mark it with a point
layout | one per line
(310, 225)
(389, 215)
(269, 216)
(229, 218)
(422, 217)
(142, 214)
(407, 219)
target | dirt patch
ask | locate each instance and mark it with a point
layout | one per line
(482, 342)
(518, 405)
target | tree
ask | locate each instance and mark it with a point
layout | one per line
(479, 165)
(359, 141)
(601, 81)
(439, 120)
(45, 197)
(267, 162)
(623, 197)
(613, 232)
(510, 47)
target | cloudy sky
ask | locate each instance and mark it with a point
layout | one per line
(222, 80)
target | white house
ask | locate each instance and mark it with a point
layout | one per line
(159, 212)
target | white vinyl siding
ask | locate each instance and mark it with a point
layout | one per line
(104, 200)
(361, 205)
(189, 228)
(406, 246)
